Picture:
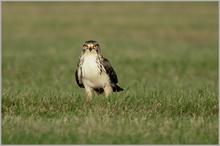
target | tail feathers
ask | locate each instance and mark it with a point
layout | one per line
(99, 90)
(116, 88)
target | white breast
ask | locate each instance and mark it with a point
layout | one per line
(91, 73)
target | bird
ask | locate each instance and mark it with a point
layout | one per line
(94, 72)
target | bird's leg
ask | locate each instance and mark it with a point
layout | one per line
(89, 92)
(108, 90)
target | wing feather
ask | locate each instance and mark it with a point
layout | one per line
(78, 76)
(109, 70)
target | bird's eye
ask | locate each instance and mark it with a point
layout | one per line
(96, 46)
(85, 46)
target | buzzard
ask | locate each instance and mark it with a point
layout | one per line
(94, 72)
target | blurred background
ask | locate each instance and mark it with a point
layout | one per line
(157, 44)
(165, 55)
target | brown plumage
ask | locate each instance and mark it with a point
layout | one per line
(94, 72)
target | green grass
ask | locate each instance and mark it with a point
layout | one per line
(165, 56)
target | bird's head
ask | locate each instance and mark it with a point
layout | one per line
(91, 46)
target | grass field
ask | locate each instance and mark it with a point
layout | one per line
(165, 56)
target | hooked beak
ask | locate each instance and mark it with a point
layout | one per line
(90, 46)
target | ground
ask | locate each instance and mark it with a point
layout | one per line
(165, 55)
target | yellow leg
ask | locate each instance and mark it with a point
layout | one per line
(89, 92)
(108, 90)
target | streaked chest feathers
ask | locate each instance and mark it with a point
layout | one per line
(93, 73)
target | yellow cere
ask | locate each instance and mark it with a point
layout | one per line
(90, 45)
